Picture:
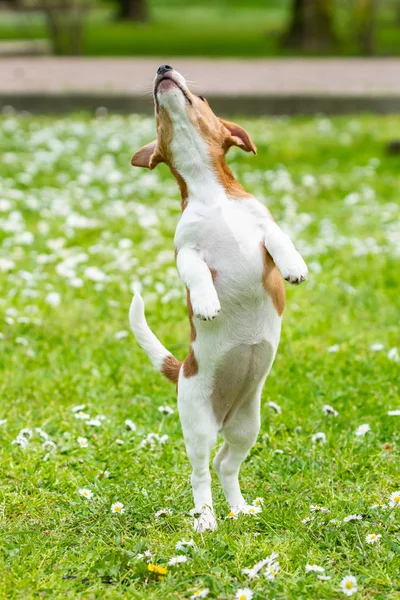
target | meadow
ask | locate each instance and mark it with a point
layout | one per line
(94, 478)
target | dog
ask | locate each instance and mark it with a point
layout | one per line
(232, 257)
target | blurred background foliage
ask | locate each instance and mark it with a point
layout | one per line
(214, 28)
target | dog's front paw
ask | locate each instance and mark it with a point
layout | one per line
(205, 308)
(292, 267)
(204, 520)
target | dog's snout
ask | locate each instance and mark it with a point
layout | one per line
(164, 69)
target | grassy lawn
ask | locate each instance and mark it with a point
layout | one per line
(78, 226)
(227, 28)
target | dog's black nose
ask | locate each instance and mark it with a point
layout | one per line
(163, 69)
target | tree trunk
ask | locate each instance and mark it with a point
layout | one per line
(366, 22)
(311, 28)
(133, 10)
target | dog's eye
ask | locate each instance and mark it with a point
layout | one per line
(202, 98)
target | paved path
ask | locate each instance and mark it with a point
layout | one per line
(230, 77)
(258, 87)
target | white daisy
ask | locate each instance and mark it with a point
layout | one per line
(333, 349)
(329, 410)
(275, 407)
(146, 554)
(119, 442)
(78, 408)
(258, 501)
(53, 299)
(166, 410)
(95, 422)
(200, 594)
(120, 335)
(372, 538)
(244, 594)
(83, 442)
(376, 347)
(314, 569)
(349, 585)
(117, 507)
(175, 560)
(271, 571)
(318, 508)
(3, 421)
(85, 493)
(81, 415)
(391, 413)
(251, 510)
(184, 544)
(394, 500)
(233, 513)
(323, 577)
(393, 354)
(268, 562)
(319, 437)
(130, 425)
(363, 429)
(163, 512)
(352, 518)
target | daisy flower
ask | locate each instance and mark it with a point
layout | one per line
(333, 349)
(275, 407)
(391, 413)
(352, 518)
(268, 562)
(372, 538)
(78, 408)
(258, 501)
(376, 347)
(323, 577)
(120, 335)
(184, 544)
(393, 354)
(317, 508)
(349, 585)
(83, 442)
(166, 410)
(200, 594)
(163, 512)
(117, 507)
(314, 569)
(329, 410)
(175, 560)
(394, 500)
(233, 513)
(119, 442)
(271, 571)
(146, 554)
(81, 415)
(85, 493)
(244, 594)
(95, 422)
(363, 429)
(251, 510)
(130, 425)
(319, 437)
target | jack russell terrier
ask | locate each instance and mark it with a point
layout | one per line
(232, 258)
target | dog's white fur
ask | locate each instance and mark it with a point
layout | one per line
(237, 325)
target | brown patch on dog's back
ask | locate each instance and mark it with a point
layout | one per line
(171, 367)
(272, 281)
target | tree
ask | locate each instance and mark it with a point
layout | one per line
(366, 24)
(134, 10)
(311, 27)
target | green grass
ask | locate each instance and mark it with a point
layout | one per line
(227, 28)
(68, 182)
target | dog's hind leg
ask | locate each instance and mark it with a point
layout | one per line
(200, 433)
(240, 434)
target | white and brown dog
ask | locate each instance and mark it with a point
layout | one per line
(232, 258)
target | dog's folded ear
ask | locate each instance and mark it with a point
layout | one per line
(238, 137)
(148, 157)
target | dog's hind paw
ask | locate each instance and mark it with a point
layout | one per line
(204, 520)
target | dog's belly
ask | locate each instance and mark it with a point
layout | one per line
(238, 376)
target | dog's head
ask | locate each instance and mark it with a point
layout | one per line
(177, 109)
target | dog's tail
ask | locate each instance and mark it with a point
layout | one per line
(163, 360)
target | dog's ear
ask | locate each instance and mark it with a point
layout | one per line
(148, 157)
(238, 137)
